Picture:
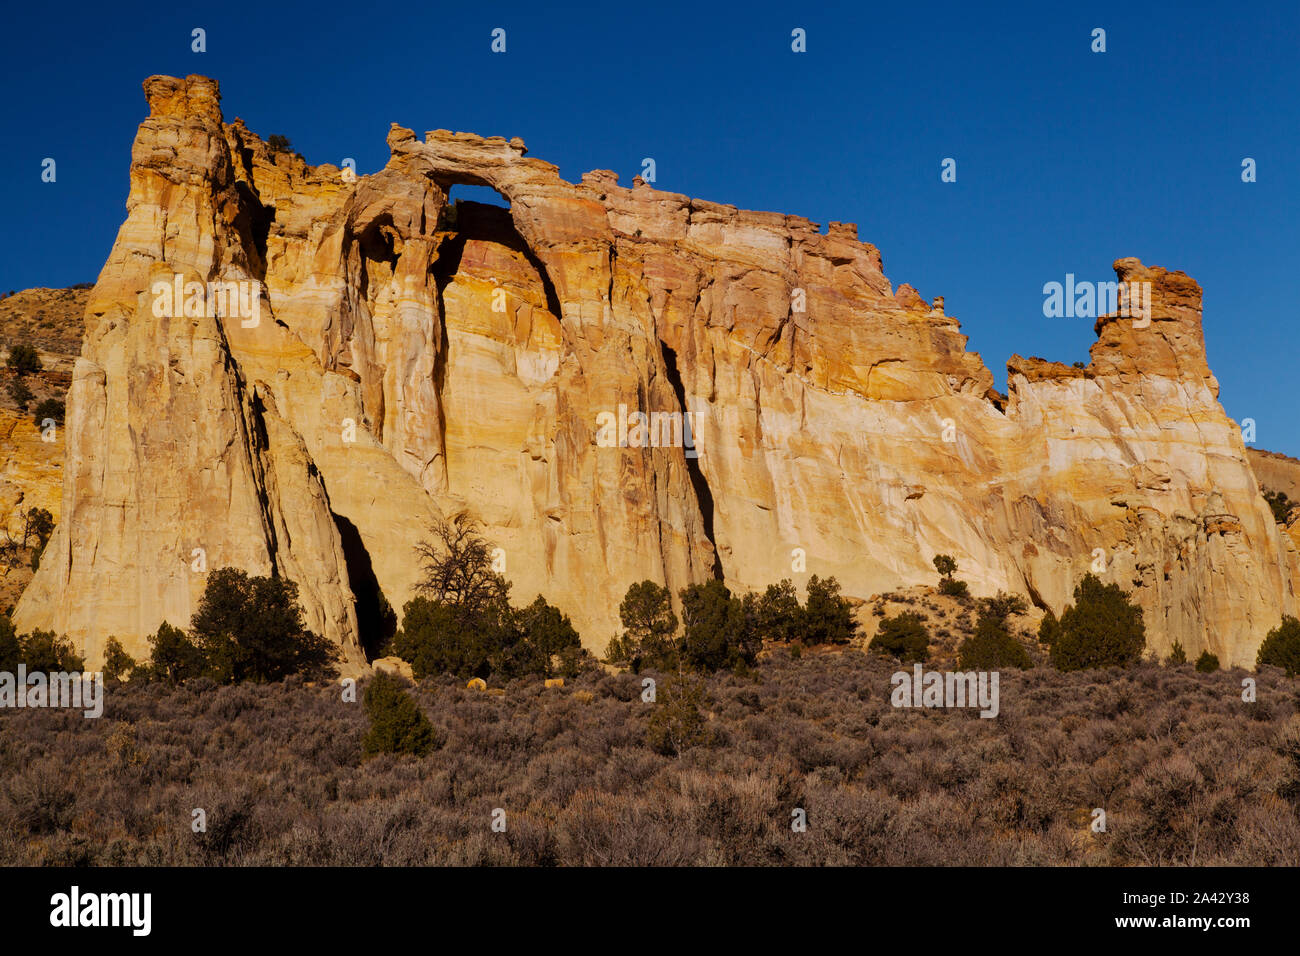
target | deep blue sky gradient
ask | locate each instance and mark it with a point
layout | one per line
(1066, 159)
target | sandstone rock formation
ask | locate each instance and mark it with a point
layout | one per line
(31, 470)
(414, 356)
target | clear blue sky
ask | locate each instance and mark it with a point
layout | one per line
(1066, 159)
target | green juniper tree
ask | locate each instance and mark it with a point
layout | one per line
(397, 725)
(903, 638)
(1103, 628)
(1281, 647)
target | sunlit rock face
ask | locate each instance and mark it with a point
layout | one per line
(412, 357)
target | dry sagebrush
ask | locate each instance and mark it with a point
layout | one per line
(1186, 772)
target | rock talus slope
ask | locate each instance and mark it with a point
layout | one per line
(414, 357)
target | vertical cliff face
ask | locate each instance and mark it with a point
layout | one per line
(175, 457)
(415, 357)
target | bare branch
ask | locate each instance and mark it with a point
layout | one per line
(457, 564)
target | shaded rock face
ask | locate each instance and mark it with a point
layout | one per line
(414, 357)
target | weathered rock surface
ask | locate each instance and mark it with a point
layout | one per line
(475, 349)
(31, 470)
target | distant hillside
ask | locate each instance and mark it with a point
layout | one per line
(31, 476)
(52, 320)
(1276, 472)
(31, 469)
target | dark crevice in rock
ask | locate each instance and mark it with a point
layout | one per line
(444, 269)
(376, 620)
(552, 300)
(703, 494)
(253, 224)
(377, 242)
(259, 442)
(1034, 597)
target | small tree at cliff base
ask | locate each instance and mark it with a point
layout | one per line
(1003, 606)
(49, 652)
(1103, 628)
(173, 657)
(456, 566)
(251, 628)
(650, 626)
(117, 662)
(442, 639)
(1281, 647)
(549, 643)
(717, 633)
(827, 617)
(946, 565)
(462, 622)
(461, 618)
(1049, 629)
(776, 613)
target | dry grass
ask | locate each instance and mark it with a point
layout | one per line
(1186, 772)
